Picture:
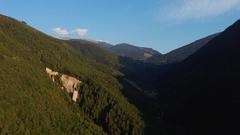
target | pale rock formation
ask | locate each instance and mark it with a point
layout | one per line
(75, 96)
(51, 74)
(69, 83)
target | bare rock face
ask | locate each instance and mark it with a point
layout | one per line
(69, 83)
(51, 74)
(75, 96)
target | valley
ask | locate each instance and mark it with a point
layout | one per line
(117, 89)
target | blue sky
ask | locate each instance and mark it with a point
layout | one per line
(160, 24)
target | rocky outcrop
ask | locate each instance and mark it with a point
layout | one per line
(71, 84)
(51, 74)
(75, 95)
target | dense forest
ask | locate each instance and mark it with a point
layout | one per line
(33, 105)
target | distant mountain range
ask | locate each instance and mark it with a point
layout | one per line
(124, 49)
(131, 51)
(150, 55)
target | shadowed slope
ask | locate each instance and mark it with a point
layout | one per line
(202, 92)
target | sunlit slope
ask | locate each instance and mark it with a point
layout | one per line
(30, 102)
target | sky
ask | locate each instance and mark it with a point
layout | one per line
(163, 25)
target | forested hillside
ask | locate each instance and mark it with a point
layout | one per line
(191, 90)
(93, 51)
(32, 104)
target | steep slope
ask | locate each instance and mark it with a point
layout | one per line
(134, 71)
(31, 104)
(134, 52)
(181, 53)
(201, 94)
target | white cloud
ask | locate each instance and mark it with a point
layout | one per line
(80, 32)
(61, 32)
(197, 9)
(64, 33)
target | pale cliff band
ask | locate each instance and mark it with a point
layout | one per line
(71, 84)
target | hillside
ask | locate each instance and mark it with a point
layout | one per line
(134, 52)
(94, 51)
(32, 104)
(181, 53)
(200, 95)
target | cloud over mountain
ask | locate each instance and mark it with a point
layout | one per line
(61, 32)
(80, 32)
(64, 33)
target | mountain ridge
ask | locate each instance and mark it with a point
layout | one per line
(200, 89)
(122, 49)
(134, 52)
(180, 54)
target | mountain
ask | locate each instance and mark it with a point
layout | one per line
(134, 52)
(123, 50)
(104, 44)
(201, 94)
(31, 104)
(181, 53)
